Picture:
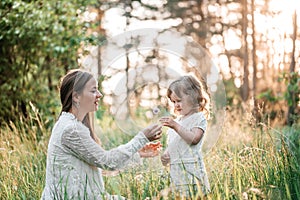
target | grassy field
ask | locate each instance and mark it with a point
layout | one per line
(248, 162)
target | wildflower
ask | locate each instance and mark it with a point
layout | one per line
(156, 111)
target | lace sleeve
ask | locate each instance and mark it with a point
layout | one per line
(78, 142)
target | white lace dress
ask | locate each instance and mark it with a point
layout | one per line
(187, 168)
(74, 161)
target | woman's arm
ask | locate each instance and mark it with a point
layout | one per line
(78, 142)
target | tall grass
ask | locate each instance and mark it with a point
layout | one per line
(265, 169)
(23, 150)
(248, 162)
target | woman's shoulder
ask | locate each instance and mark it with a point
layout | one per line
(70, 122)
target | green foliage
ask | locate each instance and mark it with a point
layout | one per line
(268, 95)
(288, 97)
(292, 82)
(232, 93)
(39, 41)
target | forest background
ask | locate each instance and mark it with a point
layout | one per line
(253, 43)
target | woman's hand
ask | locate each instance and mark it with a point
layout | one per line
(165, 158)
(150, 150)
(153, 132)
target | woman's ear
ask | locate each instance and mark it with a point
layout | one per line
(75, 97)
(76, 100)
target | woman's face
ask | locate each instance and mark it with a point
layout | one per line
(182, 105)
(89, 98)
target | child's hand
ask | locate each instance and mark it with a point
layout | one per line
(168, 121)
(165, 158)
(150, 150)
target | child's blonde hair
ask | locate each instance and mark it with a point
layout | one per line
(194, 88)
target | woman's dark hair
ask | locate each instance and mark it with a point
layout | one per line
(74, 82)
(190, 86)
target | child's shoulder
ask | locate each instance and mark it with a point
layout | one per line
(198, 119)
(199, 115)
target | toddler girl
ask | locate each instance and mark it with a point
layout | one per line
(185, 137)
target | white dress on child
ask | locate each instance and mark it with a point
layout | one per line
(187, 168)
(74, 161)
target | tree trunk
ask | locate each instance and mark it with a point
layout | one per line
(245, 86)
(100, 31)
(254, 79)
(292, 94)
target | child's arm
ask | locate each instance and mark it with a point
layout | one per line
(192, 136)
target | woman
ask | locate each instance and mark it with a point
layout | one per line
(75, 157)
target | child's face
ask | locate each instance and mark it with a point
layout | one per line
(183, 105)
